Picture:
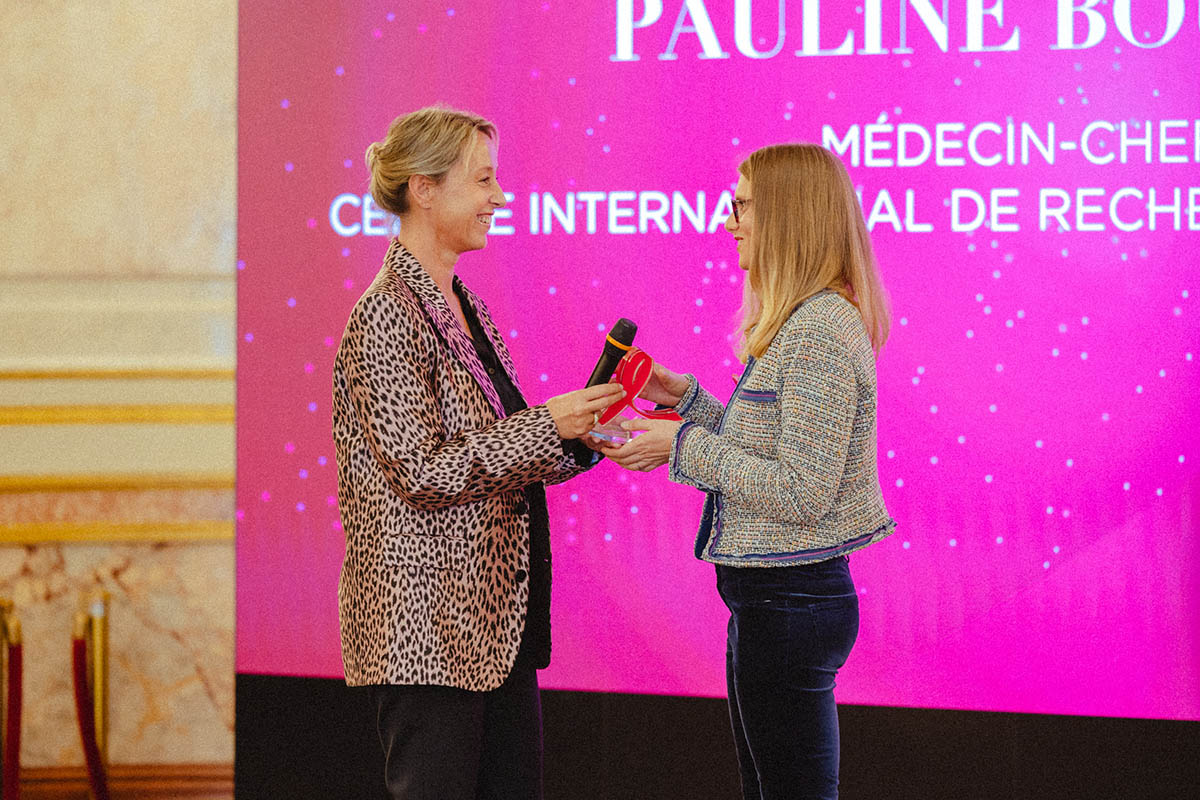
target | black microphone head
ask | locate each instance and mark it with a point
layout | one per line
(616, 345)
(623, 331)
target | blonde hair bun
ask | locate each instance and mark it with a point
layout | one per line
(424, 142)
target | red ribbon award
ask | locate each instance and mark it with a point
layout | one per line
(633, 373)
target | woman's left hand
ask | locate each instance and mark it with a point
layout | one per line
(646, 452)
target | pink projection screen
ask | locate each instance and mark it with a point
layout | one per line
(1030, 172)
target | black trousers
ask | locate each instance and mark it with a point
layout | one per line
(441, 743)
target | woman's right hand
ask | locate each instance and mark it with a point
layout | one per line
(665, 387)
(575, 412)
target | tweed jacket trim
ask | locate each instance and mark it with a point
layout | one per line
(434, 584)
(699, 406)
(789, 464)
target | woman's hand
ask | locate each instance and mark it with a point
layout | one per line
(664, 387)
(595, 444)
(574, 413)
(646, 452)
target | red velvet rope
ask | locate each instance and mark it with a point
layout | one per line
(85, 712)
(12, 733)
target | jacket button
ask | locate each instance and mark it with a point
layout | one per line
(522, 506)
(521, 575)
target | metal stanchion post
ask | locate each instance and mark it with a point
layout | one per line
(11, 658)
(89, 650)
(6, 608)
(98, 666)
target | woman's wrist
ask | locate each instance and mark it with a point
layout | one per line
(689, 388)
(677, 389)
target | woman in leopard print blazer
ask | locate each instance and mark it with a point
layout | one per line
(789, 464)
(444, 595)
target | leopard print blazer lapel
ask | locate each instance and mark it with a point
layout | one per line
(493, 334)
(406, 266)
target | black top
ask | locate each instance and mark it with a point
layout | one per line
(535, 642)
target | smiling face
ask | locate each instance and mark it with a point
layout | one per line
(743, 227)
(467, 197)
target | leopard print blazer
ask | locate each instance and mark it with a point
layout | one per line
(435, 581)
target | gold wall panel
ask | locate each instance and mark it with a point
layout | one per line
(47, 532)
(121, 449)
(126, 414)
(113, 482)
(118, 147)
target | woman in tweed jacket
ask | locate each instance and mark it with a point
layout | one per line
(789, 464)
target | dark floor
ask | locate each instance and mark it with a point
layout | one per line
(301, 738)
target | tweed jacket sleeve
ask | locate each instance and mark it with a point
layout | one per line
(817, 397)
(422, 465)
(699, 406)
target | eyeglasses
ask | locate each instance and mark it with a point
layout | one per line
(738, 205)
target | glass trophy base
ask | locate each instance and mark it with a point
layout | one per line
(612, 432)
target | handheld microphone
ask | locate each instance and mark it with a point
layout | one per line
(616, 345)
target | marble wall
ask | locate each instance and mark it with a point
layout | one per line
(170, 636)
(118, 163)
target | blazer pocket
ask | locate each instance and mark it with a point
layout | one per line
(759, 395)
(426, 552)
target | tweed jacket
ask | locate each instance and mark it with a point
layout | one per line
(435, 581)
(789, 464)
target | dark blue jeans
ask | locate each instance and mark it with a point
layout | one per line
(790, 631)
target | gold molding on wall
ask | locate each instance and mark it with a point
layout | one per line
(40, 532)
(132, 781)
(168, 414)
(119, 374)
(115, 482)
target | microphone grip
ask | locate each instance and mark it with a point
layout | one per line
(605, 367)
(616, 344)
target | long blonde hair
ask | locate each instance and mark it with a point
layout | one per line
(424, 142)
(809, 235)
